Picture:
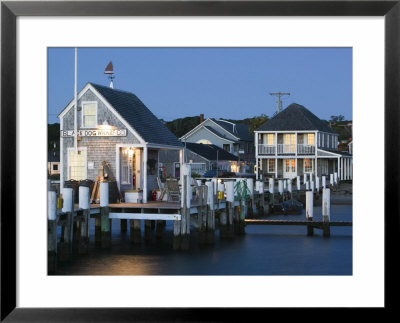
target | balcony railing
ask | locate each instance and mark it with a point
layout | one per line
(305, 149)
(286, 149)
(266, 149)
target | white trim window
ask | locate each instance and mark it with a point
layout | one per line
(271, 165)
(308, 165)
(126, 161)
(311, 139)
(89, 114)
(77, 169)
(270, 139)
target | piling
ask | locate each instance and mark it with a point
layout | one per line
(51, 232)
(83, 246)
(124, 225)
(201, 213)
(331, 180)
(317, 179)
(66, 242)
(239, 213)
(305, 180)
(226, 229)
(298, 183)
(326, 211)
(280, 187)
(104, 214)
(182, 227)
(309, 212)
(210, 218)
(147, 229)
(323, 181)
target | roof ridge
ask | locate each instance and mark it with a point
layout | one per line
(110, 88)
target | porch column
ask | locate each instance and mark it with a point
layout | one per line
(316, 167)
(144, 172)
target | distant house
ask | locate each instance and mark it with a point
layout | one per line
(201, 158)
(295, 142)
(115, 127)
(233, 138)
(53, 162)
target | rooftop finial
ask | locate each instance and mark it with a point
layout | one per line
(110, 72)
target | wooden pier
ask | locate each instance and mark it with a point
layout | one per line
(227, 206)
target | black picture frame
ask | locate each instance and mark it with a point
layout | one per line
(10, 10)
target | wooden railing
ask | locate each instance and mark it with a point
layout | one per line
(286, 149)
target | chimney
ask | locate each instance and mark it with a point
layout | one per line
(201, 118)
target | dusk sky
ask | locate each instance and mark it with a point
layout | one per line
(230, 83)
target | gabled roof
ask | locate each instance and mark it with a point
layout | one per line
(209, 152)
(238, 130)
(128, 105)
(217, 133)
(295, 117)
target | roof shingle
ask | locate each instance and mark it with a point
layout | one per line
(138, 116)
(209, 152)
(295, 117)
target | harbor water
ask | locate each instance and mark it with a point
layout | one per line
(263, 250)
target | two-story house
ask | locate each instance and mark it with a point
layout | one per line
(113, 126)
(235, 138)
(295, 142)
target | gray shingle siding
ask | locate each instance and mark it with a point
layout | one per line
(98, 148)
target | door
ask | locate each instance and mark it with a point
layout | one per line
(289, 168)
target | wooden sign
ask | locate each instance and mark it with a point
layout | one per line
(94, 133)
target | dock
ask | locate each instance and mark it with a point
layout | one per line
(228, 207)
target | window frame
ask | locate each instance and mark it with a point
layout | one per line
(82, 114)
(82, 149)
(268, 164)
(122, 166)
(304, 166)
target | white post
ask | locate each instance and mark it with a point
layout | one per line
(323, 181)
(305, 178)
(312, 186)
(144, 172)
(83, 197)
(309, 205)
(331, 179)
(250, 186)
(290, 185)
(67, 196)
(280, 187)
(271, 185)
(210, 194)
(186, 171)
(284, 185)
(335, 177)
(298, 183)
(307, 186)
(104, 196)
(326, 204)
(260, 186)
(230, 194)
(51, 205)
(317, 183)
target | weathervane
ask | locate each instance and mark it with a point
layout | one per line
(110, 72)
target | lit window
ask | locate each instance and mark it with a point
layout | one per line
(270, 139)
(310, 139)
(89, 115)
(290, 165)
(308, 165)
(77, 165)
(271, 166)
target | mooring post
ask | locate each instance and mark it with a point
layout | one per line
(309, 211)
(51, 232)
(239, 213)
(331, 180)
(251, 209)
(210, 223)
(201, 215)
(307, 186)
(326, 211)
(226, 229)
(298, 184)
(104, 212)
(280, 188)
(147, 229)
(84, 204)
(68, 206)
(124, 225)
(271, 189)
(317, 185)
(323, 181)
(290, 188)
(305, 180)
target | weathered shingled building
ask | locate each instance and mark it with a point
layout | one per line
(116, 127)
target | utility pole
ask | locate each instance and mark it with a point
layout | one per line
(279, 94)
